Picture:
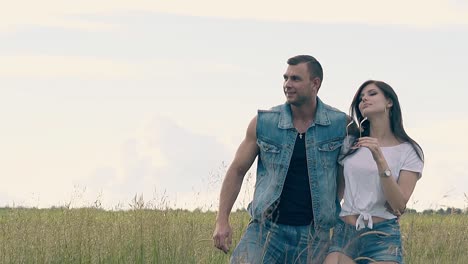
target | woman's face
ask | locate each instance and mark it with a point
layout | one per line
(372, 101)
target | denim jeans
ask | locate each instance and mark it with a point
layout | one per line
(381, 243)
(267, 242)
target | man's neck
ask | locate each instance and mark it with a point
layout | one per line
(303, 116)
(304, 112)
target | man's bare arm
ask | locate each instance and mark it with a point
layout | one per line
(245, 156)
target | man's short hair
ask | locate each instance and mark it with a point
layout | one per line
(315, 69)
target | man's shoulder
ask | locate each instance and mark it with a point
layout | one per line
(271, 116)
(332, 109)
(327, 113)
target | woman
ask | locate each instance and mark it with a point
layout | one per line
(380, 171)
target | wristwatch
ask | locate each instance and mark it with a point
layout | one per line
(386, 173)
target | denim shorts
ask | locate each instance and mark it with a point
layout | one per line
(381, 243)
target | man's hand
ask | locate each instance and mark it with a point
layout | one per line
(222, 236)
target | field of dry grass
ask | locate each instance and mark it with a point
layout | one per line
(175, 236)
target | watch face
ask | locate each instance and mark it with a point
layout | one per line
(387, 173)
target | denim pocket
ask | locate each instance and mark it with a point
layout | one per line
(328, 151)
(270, 155)
(267, 147)
(330, 145)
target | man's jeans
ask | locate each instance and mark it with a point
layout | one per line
(268, 242)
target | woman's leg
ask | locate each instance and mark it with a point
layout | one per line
(338, 258)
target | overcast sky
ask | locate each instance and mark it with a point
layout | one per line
(103, 100)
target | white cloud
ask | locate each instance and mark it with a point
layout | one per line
(45, 66)
(444, 181)
(166, 164)
(56, 13)
(161, 159)
(86, 67)
(415, 13)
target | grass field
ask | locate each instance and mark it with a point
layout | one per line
(175, 236)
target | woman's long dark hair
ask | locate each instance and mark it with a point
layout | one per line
(396, 120)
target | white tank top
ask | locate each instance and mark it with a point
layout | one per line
(363, 194)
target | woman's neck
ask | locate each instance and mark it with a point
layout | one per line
(381, 130)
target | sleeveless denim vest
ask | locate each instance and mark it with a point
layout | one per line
(276, 137)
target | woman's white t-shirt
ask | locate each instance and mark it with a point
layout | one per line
(363, 194)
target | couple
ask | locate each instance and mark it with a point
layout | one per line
(310, 157)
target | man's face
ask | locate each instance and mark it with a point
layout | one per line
(298, 86)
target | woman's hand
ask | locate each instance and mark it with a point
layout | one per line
(373, 145)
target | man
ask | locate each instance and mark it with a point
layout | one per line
(294, 203)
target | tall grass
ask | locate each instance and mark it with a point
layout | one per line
(96, 236)
(91, 235)
(435, 238)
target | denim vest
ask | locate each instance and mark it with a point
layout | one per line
(276, 136)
